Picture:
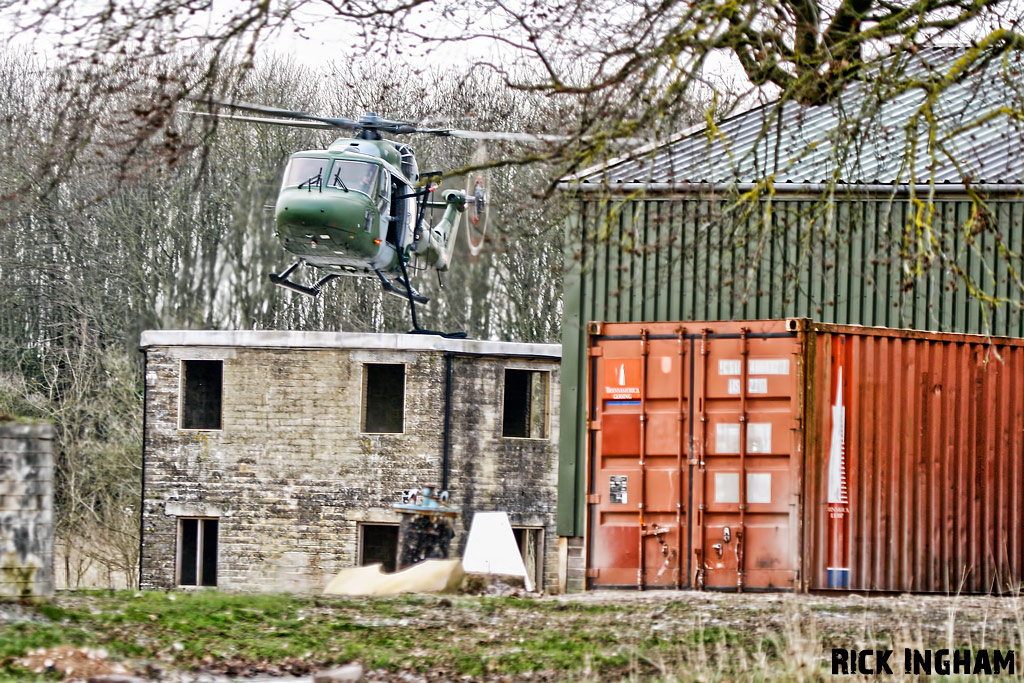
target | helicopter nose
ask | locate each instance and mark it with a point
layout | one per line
(308, 210)
(304, 216)
(328, 226)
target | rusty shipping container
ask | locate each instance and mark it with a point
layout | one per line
(792, 455)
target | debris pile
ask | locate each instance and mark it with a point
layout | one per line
(71, 662)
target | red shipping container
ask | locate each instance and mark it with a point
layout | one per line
(786, 454)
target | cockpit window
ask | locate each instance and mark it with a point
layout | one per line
(303, 172)
(355, 176)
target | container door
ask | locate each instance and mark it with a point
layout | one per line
(746, 483)
(639, 469)
(694, 443)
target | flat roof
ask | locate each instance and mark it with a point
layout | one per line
(285, 339)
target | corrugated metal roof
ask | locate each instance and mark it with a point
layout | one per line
(864, 136)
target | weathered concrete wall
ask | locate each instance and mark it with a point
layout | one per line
(26, 510)
(290, 476)
(572, 565)
(489, 472)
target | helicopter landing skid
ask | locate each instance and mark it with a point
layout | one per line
(405, 292)
(283, 281)
(413, 298)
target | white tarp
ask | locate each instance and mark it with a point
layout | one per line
(428, 576)
(492, 548)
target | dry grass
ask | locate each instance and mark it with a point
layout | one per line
(596, 636)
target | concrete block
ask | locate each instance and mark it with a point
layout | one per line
(350, 673)
(26, 517)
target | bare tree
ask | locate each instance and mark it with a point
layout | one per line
(108, 244)
(119, 214)
(628, 66)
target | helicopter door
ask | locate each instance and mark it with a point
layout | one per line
(403, 212)
(384, 207)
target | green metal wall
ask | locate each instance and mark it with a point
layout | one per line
(853, 261)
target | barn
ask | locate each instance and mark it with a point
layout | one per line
(899, 208)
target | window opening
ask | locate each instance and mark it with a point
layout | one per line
(529, 542)
(524, 414)
(383, 398)
(379, 545)
(197, 551)
(201, 394)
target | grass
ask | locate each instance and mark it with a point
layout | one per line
(611, 636)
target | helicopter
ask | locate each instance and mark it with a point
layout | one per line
(358, 207)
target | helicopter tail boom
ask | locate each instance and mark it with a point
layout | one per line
(435, 245)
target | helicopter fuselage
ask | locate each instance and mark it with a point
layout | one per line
(344, 209)
(357, 208)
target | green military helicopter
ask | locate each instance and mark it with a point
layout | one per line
(358, 207)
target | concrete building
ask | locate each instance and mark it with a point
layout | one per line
(26, 509)
(272, 459)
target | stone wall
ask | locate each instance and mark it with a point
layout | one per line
(290, 477)
(26, 510)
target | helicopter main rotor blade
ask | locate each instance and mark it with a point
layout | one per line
(494, 135)
(292, 123)
(329, 122)
(375, 123)
(528, 138)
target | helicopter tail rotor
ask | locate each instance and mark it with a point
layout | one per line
(476, 215)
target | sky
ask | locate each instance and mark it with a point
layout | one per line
(314, 34)
(323, 33)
